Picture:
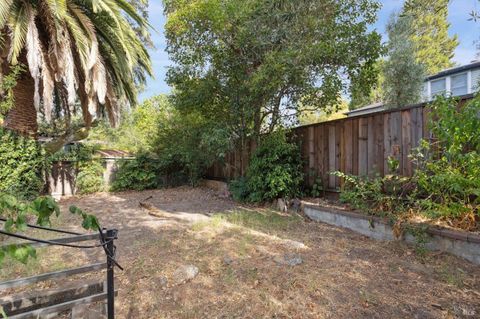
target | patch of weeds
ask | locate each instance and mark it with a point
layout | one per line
(419, 232)
(268, 221)
(229, 276)
(367, 298)
(251, 274)
(244, 243)
(452, 275)
(215, 222)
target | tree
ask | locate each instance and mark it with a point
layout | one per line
(404, 76)
(433, 46)
(138, 128)
(79, 54)
(311, 117)
(248, 64)
(359, 96)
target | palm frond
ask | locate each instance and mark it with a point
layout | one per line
(18, 22)
(5, 10)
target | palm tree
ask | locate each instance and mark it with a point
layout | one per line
(76, 52)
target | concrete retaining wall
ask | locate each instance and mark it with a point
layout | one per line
(460, 244)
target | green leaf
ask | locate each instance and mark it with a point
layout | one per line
(22, 253)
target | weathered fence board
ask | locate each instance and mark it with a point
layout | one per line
(358, 145)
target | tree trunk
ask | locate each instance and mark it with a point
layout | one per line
(22, 118)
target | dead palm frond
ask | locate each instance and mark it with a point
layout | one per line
(84, 51)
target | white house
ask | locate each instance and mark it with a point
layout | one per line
(456, 81)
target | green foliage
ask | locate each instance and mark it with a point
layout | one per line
(138, 128)
(102, 49)
(78, 152)
(275, 171)
(22, 165)
(434, 47)
(181, 146)
(139, 174)
(446, 182)
(189, 143)
(317, 187)
(89, 222)
(449, 170)
(90, 177)
(310, 115)
(404, 76)
(250, 64)
(17, 211)
(239, 189)
(268, 221)
(7, 83)
(359, 95)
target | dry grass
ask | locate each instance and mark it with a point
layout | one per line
(343, 275)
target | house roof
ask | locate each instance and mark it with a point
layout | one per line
(457, 69)
(113, 154)
(371, 108)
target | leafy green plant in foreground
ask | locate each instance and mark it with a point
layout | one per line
(17, 213)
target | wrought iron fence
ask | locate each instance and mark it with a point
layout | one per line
(50, 303)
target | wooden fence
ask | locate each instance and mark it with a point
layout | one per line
(358, 145)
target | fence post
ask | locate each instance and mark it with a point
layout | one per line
(110, 237)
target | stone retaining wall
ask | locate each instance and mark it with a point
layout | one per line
(461, 244)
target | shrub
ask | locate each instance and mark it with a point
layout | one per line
(448, 177)
(90, 178)
(22, 165)
(275, 171)
(188, 144)
(78, 152)
(446, 183)
(239, 189)
(141, 173)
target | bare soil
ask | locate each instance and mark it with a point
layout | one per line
(342, 274)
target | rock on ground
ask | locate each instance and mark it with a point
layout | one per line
(184, 274)
(288, 260)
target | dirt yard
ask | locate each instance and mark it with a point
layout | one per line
(256, 263)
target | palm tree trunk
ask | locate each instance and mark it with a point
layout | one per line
(22, 117)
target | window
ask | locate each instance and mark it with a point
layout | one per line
(475, 80)
(459, 84)
(437, 87)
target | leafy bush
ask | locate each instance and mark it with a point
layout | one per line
(275, 171)
(448, 177)
(141, 173)
(78, 152)
(22, 165)
(188, 144)
(138, 127)
(446, 183)
(90, 178)
(239, 189)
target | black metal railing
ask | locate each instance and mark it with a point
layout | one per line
(59, 301)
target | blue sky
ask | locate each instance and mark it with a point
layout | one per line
(467, 31)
